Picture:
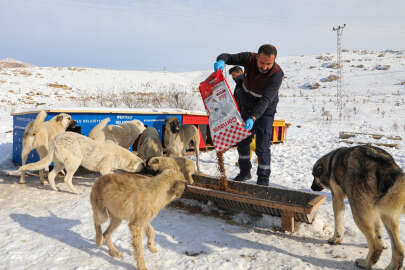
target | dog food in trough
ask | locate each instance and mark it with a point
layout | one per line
(290, 205)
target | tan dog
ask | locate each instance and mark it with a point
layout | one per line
(181, 164)
(375, 187)
(124, 134)
(148, 144)
(178, 138)
(70, 150)
(38, 134)
(137, 199)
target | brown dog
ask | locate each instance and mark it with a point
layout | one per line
(181, 164)
(375, 187)
(38, 134)
(137, 199)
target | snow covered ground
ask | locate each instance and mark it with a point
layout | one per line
(42, 229)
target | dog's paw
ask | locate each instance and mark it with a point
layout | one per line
(115, 253)
(384, 245)
(152, 249)
(362, 263)
(335, 240)
(142, 268)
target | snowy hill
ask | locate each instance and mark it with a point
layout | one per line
(41, 229)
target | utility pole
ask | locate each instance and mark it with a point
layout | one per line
(339, 94)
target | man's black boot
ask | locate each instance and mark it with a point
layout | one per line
(242, 177)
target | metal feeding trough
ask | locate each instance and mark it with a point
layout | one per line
(290, 205)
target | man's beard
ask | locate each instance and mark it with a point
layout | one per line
(263, 71)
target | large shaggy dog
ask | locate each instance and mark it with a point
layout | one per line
(38, 134)
(375, 187)
(124, 134)
(181, 164)
(178, 138)
(70, 150)
(148, 144)
(137, 199)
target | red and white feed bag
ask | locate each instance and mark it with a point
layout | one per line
(226, 124)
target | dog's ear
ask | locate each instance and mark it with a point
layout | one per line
(59, 118)
(73, 123)
(317, 170)
(189, 178)
(147, 161)
(153, 161)
(177, 189)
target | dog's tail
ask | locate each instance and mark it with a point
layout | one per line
(401, 189)
(100, 213)
(377, 153)
(41, 164)
(36, 123)
(98, 128)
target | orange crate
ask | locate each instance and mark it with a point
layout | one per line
(278, 131)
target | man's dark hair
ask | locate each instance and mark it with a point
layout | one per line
(235, 68)
(268, 50)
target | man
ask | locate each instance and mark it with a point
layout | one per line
(237, 75)
(261, 82)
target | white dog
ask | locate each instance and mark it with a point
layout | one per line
(38, 134)
(124, 134)
(69, 150)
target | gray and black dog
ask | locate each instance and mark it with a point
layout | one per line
(375, 187)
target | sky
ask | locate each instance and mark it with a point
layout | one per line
(185, 35)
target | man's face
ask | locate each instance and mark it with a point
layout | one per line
(235, 74)
(265, 62)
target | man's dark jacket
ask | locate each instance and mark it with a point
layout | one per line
(259, 95)
(238, 90)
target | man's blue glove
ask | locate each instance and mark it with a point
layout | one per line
(249, 124)
(220, 64)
